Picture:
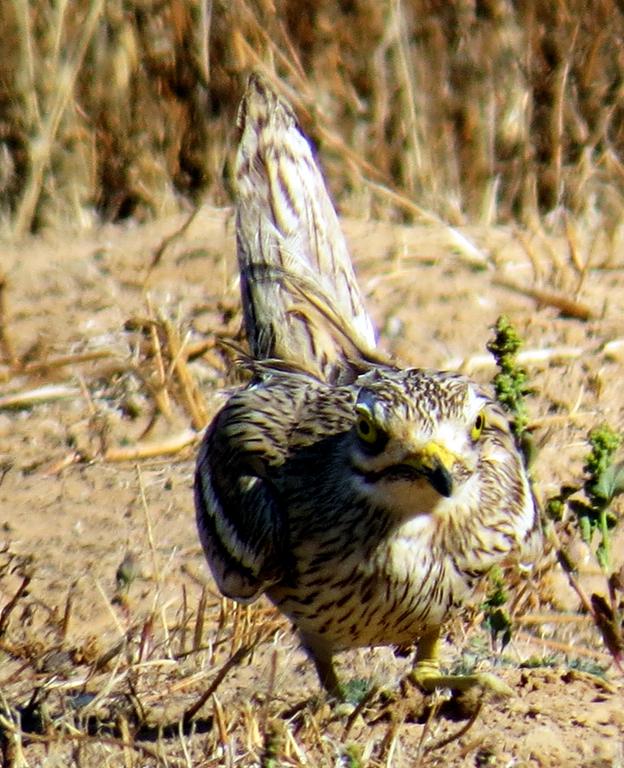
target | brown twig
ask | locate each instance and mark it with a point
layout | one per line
(232, 662)
(8, 608)
(198, 631)
(45, 394)
(362, 703)
(148, 450)
(161, 394)
(553, 618)
(567, 307)
(168, 240)
(191, 394)
(458, 735)
(6, 345)
(41, 366)
(565, 648)
(433, 711)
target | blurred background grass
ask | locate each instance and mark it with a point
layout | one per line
(484, 111)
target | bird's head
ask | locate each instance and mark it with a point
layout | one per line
(419, 437)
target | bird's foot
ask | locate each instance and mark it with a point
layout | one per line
(427, 676)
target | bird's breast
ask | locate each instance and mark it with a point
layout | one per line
(361, 585)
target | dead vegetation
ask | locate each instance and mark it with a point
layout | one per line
(492, 111)
(116, 650)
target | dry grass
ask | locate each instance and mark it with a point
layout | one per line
(491, 111)
(176, 675)
(441, 113)
(160, 692)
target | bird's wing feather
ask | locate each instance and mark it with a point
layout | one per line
(241, 515)
(288, 236)
(238, 511)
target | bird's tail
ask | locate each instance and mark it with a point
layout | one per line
(301, 300)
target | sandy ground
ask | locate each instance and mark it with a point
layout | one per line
(68, 518)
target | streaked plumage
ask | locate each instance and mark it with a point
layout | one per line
(301, 300)
(364, 500)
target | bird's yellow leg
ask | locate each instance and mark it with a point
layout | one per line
(426, 673)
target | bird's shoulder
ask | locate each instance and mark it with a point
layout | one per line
(281, 413)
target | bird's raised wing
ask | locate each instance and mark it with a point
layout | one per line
(296, 272)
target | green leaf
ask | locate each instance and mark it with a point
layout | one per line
(586, 529)
(353, 691)
(499, 623)
(610, 483)
(602, 555)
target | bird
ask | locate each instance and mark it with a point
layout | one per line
(367, 500)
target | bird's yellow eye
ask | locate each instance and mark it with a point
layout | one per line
(477, 427)
(365, 426)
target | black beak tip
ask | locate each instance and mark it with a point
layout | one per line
(441, 480)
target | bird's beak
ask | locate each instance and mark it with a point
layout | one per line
(434, 462)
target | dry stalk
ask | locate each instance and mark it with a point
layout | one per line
(6, 345)
(318, 732)
(69, 601)
(46, 394)
(264, 714)
(184, 623)
(42, 145)
(553, 618)
(537, 358)
(565, 648)
(27, 63)
(240, 625)
(460, 733)
(191, 394)
(433, 711)
(158, 606)
(573, 250)
(419, 175)
(161, 393)
(169, 240)
(124, 731)
(566, 306)
(12, 738)
(468, 252)
(199, 621)
(574, 417)
(182, 737)
(169, 354)
(557, 126)
(56, 467)
(109, 608)
(43, 366)
(222, 730)
(149, 450)
(361, 706)
(234, 660)
(8, 608)
(205, 24)
(389, 742)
